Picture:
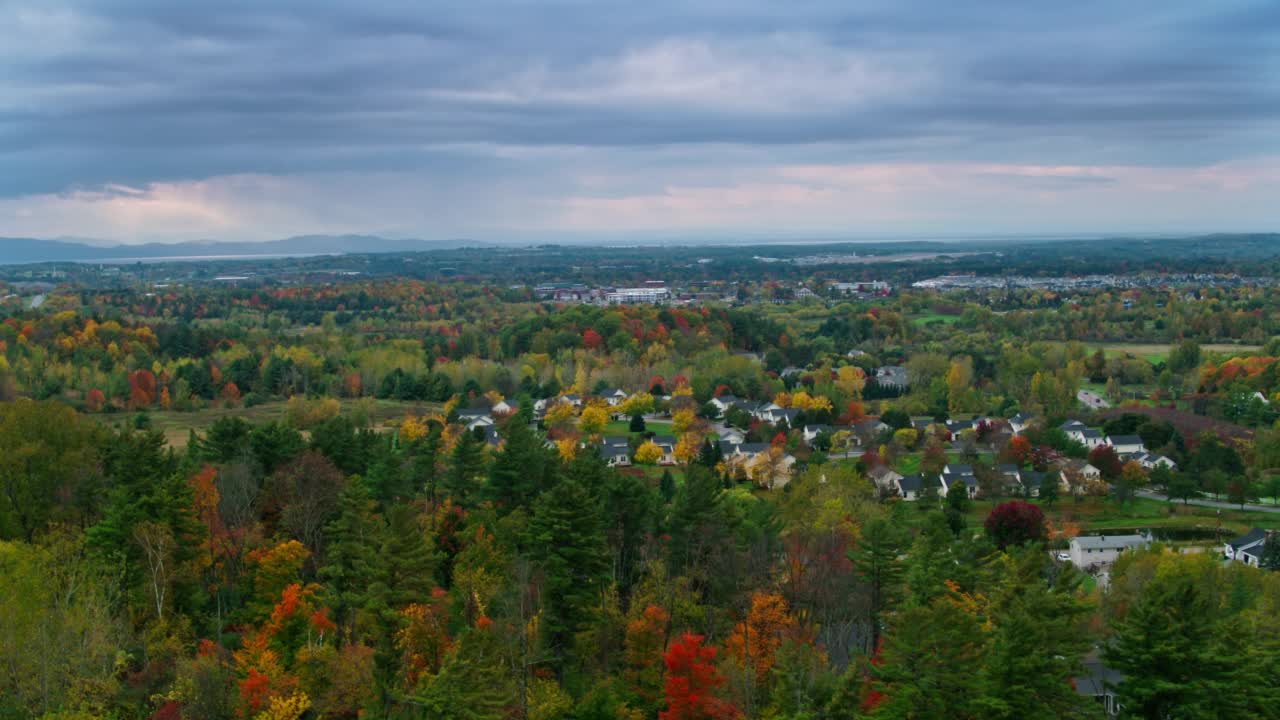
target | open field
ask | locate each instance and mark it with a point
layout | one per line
(1157, 352)
(932, 318)
(177, 426)
(1099, 514)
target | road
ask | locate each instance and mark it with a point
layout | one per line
(1092, 400)
(1274, 509)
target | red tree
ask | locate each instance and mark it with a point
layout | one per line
(1018, 451)
(94, 400)
(1015, 522)
(591, 339)
(692, 679)
(1104, 458)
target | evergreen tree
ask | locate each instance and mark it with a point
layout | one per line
(407, 562)
(667, 487)
(354, 554)
(1270, 559)
(629, 509)
(957, 506)
(637, 423)
(466, 470)
(1164, 649)
(694, 521)
(567, 535)
(474, 682)
(930, 664)
(521, 470)
(875, 560)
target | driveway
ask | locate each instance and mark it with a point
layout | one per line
(1092, 400)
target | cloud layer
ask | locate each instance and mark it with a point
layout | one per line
(141, 120)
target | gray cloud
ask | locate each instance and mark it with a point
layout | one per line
(145, 91)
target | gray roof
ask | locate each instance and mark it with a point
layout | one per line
(1125, 440)
(1248, 538)
(910, 483)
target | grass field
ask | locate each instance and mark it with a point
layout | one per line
(176, 426)
(931, 318)
(1159, 352)
(1099, 514)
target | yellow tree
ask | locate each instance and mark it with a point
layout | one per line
(649, 453)
(851, 380)
(682, 422)
(593, 420)
(756, 640)
(640, 403)
(688, 447)
(560, 415)
(567, 448)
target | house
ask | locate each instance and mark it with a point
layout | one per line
(773, 414)
(1072, 425)
(1247, 548)
(1011, 475)
(892, 376)
(502, 407)
(733, 436)
(868, 431)
(491, 436)
(1084, 470)
(1098, 682)
(744, 455)
(949, 480)
(922, 422)
(910, 487)
(885, 478)
(1151, 461)
(811, 432)
(791, 371)
(1089, 438)
(724, 402)
(1091, 550)
(1031, 482)
(955, 427)
(666, 443)
(957, 469)
(471, 413)
(1020, 422)
(614, 396)
(481, 421)
(1126, 444)
(615, 450)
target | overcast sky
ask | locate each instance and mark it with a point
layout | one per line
(156, 120)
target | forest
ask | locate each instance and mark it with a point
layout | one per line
(390, 499)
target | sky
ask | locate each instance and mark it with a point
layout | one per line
(520, 120)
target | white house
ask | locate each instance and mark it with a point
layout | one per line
(502, 407)
(1091, 550)
(1247, 548)
(1151, 461)
(479, 421)
(910, 487)
(615, 450)
(885, 478)
(666, 443)
(733, 436)
(811, 432)
(1126, 444)
(1020, 422)
(614, 397)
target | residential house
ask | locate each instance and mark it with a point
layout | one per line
(666, 443)
(910, 487)
(1099, 682)
(744, 455)
(615, 450)
(811, 432)
(1087, 472)
(869, 430)
(885, 478)
(502, 407)
(1020, 422)
(1126, 444)
(1032, 480)
(791, 371)
(892, 376)
(955, 476)
(724, 402)
(1151, 461)
(1093, 550)
(1247, 548)
(733, 436)
(921, 423)
(614, 396)
(1089, 437)
(774, 415)
(1011, 475)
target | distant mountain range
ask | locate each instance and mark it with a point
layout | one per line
(29, 250)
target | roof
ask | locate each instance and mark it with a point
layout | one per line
(910, 483)
(1091, 434)
(1124, 439)
(1109, 542)
(1249, 538)
(882, 471)
(1072, 425)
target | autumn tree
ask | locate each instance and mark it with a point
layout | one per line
(1015, 522)
(692, 681)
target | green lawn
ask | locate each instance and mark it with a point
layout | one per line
(931, 318)
(1095, 514)
(176, 425)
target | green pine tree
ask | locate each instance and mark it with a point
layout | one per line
(466, 470)
(875, 560)
(520, 470)
(567, 535)
(474, 682)
(407, 563)
(353, 558)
